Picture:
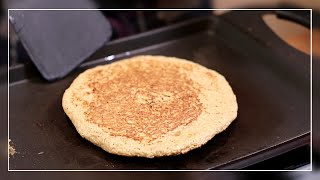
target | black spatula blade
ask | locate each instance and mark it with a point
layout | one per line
(59, 40)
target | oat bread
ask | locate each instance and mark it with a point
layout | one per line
(150, 106)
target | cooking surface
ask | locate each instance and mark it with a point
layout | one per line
(274, 106)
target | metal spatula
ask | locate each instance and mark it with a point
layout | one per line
(59, 40)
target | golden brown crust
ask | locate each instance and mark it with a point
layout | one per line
(143, 100)
(150, 106)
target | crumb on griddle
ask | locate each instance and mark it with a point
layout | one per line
(12, 150)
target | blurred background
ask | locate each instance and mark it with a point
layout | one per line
(128, 23)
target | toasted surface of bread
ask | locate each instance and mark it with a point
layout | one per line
(150, 106)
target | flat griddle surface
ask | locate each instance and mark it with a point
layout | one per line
(273, 99)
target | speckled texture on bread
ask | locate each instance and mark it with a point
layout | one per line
(150, 106)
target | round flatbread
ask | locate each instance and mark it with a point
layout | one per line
(150, 106)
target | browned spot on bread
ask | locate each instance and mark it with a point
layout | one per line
(144, 100)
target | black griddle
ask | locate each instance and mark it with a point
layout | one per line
(270, 79)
